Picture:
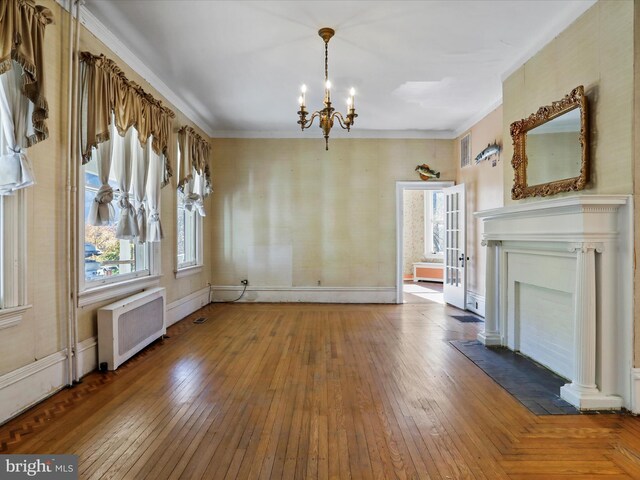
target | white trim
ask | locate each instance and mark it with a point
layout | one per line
(187, 271)
(557, 206)
(179, 309)
(10, 317)
(476, 118)
(400, 188)
(87, 356)
(635, 390)
(475, 303)
(356, 133)
(28, 385)
(111, 291)
(270, 294)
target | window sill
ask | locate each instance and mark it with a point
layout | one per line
(113, 290)
(10, 317)
(186, 271)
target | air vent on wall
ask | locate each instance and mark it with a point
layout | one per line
(465, 150)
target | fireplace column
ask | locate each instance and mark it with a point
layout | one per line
(491, 334)
(583, 391)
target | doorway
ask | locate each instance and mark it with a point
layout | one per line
(418, 269)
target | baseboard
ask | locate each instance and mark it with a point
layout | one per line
(28, 385)
(475, 303)
(635, 390)
(223, 293)
(87, 356)
(179, 309)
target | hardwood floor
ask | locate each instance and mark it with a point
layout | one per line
(316, 391)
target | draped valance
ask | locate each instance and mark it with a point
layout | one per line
(194, 178)
(194, 155)
(22, 25)
(107, 94)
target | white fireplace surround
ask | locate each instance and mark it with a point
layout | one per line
(559, 288)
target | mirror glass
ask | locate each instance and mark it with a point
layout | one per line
(554, 151)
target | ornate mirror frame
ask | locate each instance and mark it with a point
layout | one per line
(519, 129)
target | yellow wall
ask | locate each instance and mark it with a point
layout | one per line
(308, 215)
(484, 185)
(595, 51)
(43, 329)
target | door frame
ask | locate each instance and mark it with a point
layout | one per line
(400, 188)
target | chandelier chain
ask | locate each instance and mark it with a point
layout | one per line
(326, 61)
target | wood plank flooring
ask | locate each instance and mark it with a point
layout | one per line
(316, 391)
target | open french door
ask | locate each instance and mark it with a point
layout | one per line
(455, 259)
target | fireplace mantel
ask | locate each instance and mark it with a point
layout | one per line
(559, 289)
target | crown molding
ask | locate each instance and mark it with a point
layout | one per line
(107, 37)
(471, 121)
(375, 134)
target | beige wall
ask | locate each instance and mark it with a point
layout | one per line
(595, 51)
(43, 329)
(288, 213)
(484, 186)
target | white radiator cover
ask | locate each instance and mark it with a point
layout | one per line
(128, 325)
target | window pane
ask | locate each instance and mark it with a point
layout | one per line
(104, 254)
(187, 234)
(437, 219)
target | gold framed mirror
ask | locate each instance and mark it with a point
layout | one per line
(551, 148)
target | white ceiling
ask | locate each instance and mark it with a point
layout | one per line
(420, 68)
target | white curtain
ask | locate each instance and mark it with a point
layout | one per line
(156, 174)
(140, 175)
(101, 211)
(194, 194)
(127, 228)
(16, 111)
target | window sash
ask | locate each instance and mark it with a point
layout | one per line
(144, 254)
(189, 236)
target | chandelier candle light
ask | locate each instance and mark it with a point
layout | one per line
(328, 113)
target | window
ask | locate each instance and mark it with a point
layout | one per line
(188, 234)
(13, 291)
(189, 227)
(108, 259)
(434, 223)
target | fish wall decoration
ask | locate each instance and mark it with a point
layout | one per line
(491, 150)
(426, 172)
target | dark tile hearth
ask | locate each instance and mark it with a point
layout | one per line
(536, 387)
(467, 318)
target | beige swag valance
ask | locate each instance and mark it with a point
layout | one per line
(22, 25)
(106, 94)
(194, 156)
(194, 180)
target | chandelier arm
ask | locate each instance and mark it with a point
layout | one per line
(309, 122)
(344, 124)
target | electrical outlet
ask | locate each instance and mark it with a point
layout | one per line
(244, 282)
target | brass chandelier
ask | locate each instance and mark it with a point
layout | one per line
(328, 113)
